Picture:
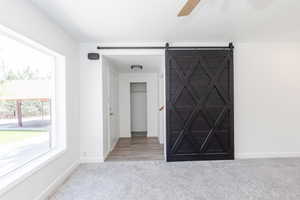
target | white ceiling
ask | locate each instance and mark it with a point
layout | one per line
(157, 21)
(151, 63)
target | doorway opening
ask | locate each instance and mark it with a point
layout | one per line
(189, 103)
(133, 90)
(138, 109)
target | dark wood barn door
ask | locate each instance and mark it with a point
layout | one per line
(199, 90)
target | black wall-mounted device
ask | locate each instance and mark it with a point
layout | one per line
(93, 56)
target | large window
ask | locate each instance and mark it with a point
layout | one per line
(27, 77)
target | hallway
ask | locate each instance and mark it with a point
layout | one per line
(137, 148)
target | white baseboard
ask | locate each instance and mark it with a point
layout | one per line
(237, 156)
(91, 160)
(57, 182)
(105, 155)
(267, 155)
(114, 144)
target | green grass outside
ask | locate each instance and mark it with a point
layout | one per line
(9, 137)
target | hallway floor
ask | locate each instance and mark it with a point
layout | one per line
(137, 148)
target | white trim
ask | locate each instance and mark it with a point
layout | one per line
(139, 52)
(151, 80)
(114, 144)
(267, 155)
(91, 160)
(105, 155)
(49, 191)
(14, 178)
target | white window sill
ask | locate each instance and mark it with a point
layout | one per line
(17, 176)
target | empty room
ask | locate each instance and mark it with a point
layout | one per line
(149, 100)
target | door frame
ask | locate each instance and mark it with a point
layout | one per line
(111, 112)
(147, 106)
(152, 102)
(143, 52)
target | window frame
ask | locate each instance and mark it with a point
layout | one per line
(58, 136)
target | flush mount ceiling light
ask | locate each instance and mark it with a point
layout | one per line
(136, 68)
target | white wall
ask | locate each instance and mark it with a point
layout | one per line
(22, 17)
(138, 107)
(91, 104)
(96, 97)
(151, 80)
(267, 96)
(91, 107)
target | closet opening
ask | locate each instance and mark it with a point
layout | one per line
(138, 109)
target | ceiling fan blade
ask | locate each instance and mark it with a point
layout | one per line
(188, 7)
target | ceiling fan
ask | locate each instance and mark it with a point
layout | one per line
(188, 8)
